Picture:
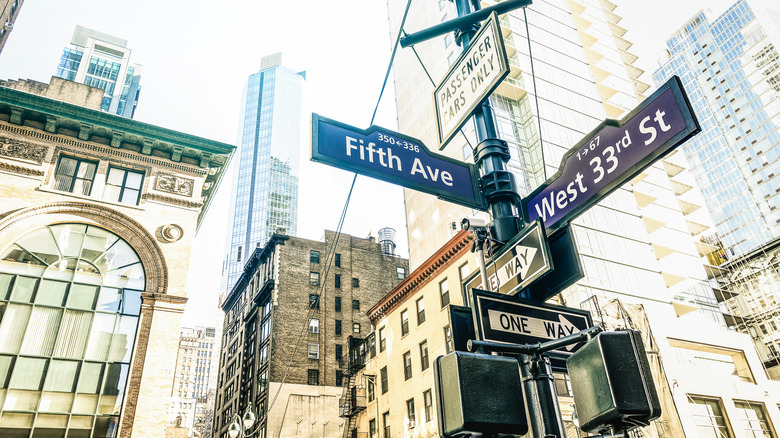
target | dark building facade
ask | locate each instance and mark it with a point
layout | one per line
(288, 321)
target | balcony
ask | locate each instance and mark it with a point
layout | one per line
(352, 404)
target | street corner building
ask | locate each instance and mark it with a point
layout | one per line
(97, 218)
(290, 319)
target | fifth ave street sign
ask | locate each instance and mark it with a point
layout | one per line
(478, 70)
(500, 318)
(613, 153)
(395, 158)
(521, 261)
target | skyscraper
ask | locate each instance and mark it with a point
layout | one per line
(730, 68)
(103, 61)
(189, 397)
(265, 184)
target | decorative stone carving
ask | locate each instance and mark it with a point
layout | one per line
(174, 184)
(171, 200)
(20, 170)
(20, 150)
(169, 233)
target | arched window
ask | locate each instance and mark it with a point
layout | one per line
(70, 297)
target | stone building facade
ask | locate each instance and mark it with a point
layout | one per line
(288, 322)
(97, 219)
(191, 389)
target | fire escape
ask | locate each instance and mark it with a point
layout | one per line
(353, 400)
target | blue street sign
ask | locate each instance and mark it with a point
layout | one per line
(395, 158)
(612, 154)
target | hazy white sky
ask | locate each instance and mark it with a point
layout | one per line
(197, 55)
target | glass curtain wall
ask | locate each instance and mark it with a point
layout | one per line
(70, 298)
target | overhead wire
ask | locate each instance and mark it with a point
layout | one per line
(332, 250)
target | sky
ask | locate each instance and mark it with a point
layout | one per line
(197, 56)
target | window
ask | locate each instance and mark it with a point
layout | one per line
(383, 379)
(708, 416)
(74, 175)
(562, 384)
(420, 311)
(382, 340)
(314, 325)
(314, 256)
(356, 304)
(337, 260)
(314, 278)
(355, 282)
(407, 365)
(339, 377)
(339, 351)
(386, 423)
(337, 281)
(400, 272)
(751, 419)
(424, 355)
(314, 351)
(404, 322)
(314, 301)
(314, 377)
(371, 390)
(447, 339)
(428, 402)
(372, 428)
(355, 327)
(337, 306)
(338, 327)
(123, 186)
(444, 293)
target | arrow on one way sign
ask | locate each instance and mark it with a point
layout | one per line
(537, 327)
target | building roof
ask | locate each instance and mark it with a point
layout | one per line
(120, 132)
(428, 270)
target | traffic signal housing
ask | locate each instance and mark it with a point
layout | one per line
(612, 384)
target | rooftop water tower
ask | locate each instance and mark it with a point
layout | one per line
(387, 240)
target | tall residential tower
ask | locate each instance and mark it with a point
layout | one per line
(731, 71)
(265, 185)
(103, 61)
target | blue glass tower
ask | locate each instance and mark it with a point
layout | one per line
(265, 187)
(731, 70)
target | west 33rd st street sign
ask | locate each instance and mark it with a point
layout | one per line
(612, 154)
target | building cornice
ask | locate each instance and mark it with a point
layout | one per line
(428, 270)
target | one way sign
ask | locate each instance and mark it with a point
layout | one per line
(524, 259)
(500, 318)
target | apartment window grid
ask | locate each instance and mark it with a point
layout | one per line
(75, 175)
(410, 412)
(448, 339)
(314, 301)
(337, 327)
(444, 293)
(355, 304)
(314, 256)
(337, 281)
(313, 377)
(337, 304)
(314, 278)
(404, 322)
(314, 325)
(386, 423)
(355, 327)
(708, 416)
(383, 380)
(337, 260)
(382, 339)
(400, 272)
(407, 357)
(752, 420)
(123, 186)
(372, 428)
(428, 404)
(424, 361)
(420, 304)
(314, 351)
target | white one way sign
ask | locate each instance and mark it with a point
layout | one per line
(510, 319)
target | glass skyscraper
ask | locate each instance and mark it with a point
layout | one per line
(103, 61)
(730, 69)
(265, 187)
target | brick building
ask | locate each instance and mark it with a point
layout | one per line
(289, 319)
(97, 219)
